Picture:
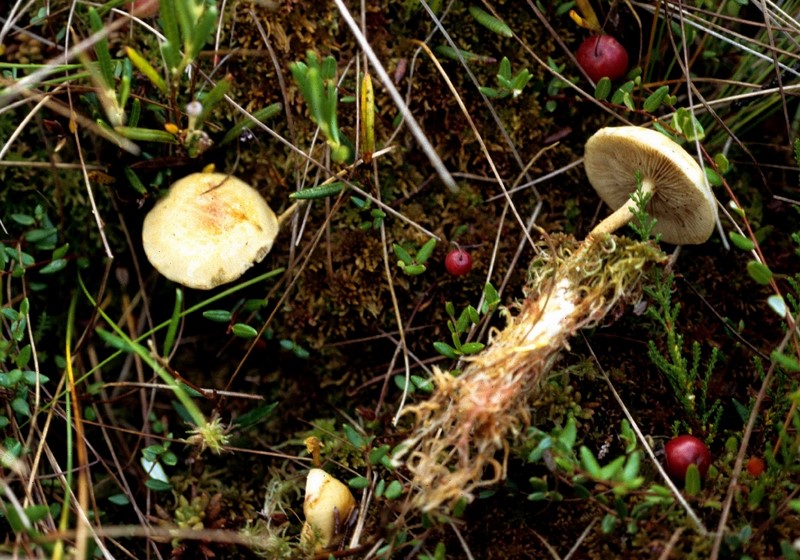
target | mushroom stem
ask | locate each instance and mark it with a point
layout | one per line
(622, 215)
(288, 213)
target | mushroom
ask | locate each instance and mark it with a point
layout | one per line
(681, 202)
(208, 230)
(327, 506)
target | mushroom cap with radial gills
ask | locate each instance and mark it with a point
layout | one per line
(681, 201)
(208, 230)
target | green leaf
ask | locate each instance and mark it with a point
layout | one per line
(218, 315)
(143, 66)
(569, 434)
(423, 384)
(119, 499)
(759, 272)
(260, 116)
(603, 89)
(655, 99)
(490, 22)
(713, 177)
(23, 219)
(504, 70)
(146, 134)
(414, 269)
(589, 463)
(741, 241)
(425, 251)
(402, 254)
(610, 471)
(21, 407)
(243, 330)
(54, 266)
(319, 191)
(788, 363)
(359, 482)
(113, 340)
(608, 523)
(685, 121)
(692, 484)
(631, 470)
(355, 437)
(394, 490)
(253, 417)
(201, 30)
(157, 485)
(101, 51)
(472, 347)
(722, 163)
(445, 350)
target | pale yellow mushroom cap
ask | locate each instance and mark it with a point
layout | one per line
(208, 230)
(681, 200)
(327, 502)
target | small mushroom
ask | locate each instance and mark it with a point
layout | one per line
(681, 200)
(208, 230)
(327, 506)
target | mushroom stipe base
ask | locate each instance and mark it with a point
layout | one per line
(460, 429)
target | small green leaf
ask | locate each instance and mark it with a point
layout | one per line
(359, 482)
(21, 407)
(255, 416)
(394, 490)
(692, 481)
(759, 272)
(113, 340)
(610, 471)
(425, 251)
(741, 241)
(713, 177)
(377, 454)
(490, 22)
(260, 116)
(119, 499)
(218, 315)
(603, 89)
(472, 347)
(445, 350)
(424, 385)
(23, 219)
(569, 433)
(157, 485)
(319, 191)
(608, 523)
(402, 254)
(355, 437)
(146, 134)
(589, 463)
(243, 330)
(655, 99)
(786, 362)
(414, 269)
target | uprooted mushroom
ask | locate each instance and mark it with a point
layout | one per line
(208, 230)
(460, 429)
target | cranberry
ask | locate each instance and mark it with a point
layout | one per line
(755, 466)
(602, 55)
(458, 262)
(683, 451)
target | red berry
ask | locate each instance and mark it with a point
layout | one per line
(602, 55)
(755, 466)
(458, 262)
(683, 451)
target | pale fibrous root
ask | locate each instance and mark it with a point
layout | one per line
(459, 433)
